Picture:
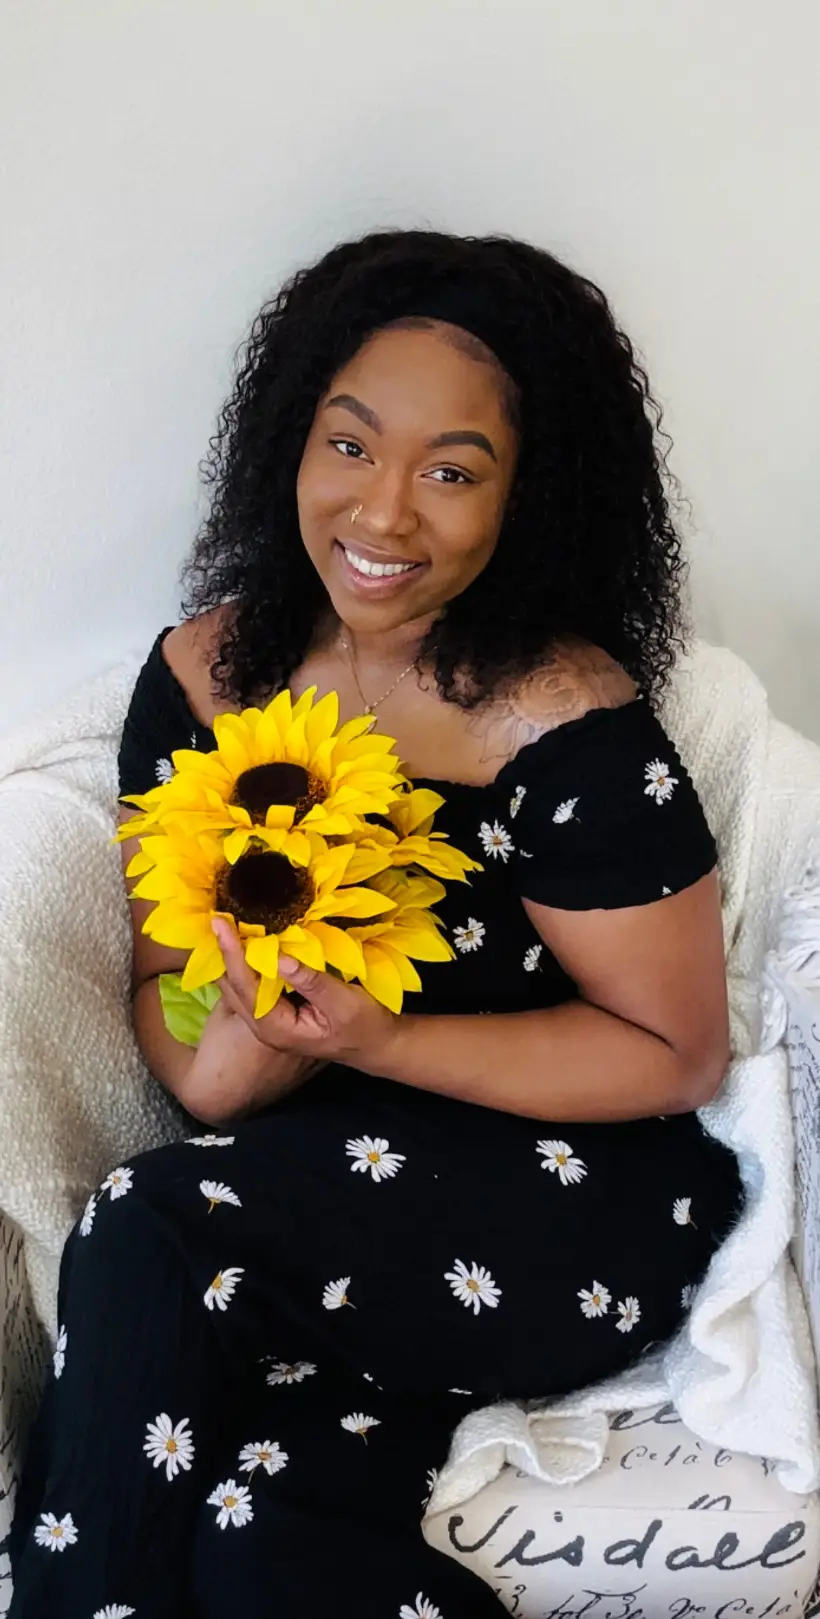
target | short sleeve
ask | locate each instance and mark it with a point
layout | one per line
(159, 719)
(602, 814)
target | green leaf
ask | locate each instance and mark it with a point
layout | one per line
(186, 1010)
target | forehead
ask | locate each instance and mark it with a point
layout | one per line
(425, 377)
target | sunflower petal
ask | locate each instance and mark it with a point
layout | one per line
(303, 704)
(413, 808)
(236, 843)
(235, 742)
(352, 902)
(296, 747)
(280, 815)
(340, 950)
(267, 996)
(367, 863)
(204, 965)
(383, 980)
(410, 979)
(322, 721)
(263, 955)
(302, 945)
(422, 944)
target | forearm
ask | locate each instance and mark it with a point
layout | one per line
(221, 1082)
(169, 1060)
(569, 1064)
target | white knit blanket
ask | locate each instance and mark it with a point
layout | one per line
(75, 1097)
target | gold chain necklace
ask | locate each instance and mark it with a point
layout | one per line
(370, 708)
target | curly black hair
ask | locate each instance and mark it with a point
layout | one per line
(588, 547)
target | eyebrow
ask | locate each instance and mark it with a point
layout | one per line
(442, 441)
(463, 436)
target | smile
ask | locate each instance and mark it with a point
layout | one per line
(376, 570)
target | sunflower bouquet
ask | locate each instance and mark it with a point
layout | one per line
(308, 838)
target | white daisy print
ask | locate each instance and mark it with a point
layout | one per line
(118, 1183)
(559, 1160)
(267, 1454)
(431, 1482)
(210, 1141)
(596, 1301)
(114, 1610)
(496, 840)
(357, 1422)
(59, 1353)
(223, 1287)
(517, 800)
(630, 1313)
(665, 893)
(422, 1609)
(283, 1372)
(681, 1211)
(169, 1445)
(89, 1212)
(164, 771)
(468, 1393)
(335, 1294)
(532, 958)
(687, 1296)
(55, 1533)
(234, 1503)
(470, 937)
(218, 1192)
(473, 1287)
(565, 812)
(371, 1153)
(659, 784)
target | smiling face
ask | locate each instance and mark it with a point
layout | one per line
(405, 475)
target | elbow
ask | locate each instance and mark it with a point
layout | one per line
(700, 1078)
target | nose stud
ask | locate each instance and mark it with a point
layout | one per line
(356, 512)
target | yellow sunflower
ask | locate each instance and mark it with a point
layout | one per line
(409, 840)
(275, 904)
(411, 930)
(275, 770)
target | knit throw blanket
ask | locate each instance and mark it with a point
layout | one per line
(75, 1097)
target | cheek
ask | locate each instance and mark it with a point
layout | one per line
(469, 539)
(319, 486)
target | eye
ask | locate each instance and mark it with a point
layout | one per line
(348, 448)
(450, 475)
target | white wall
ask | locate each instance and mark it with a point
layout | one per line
(168, 160)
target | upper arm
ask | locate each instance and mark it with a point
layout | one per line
(616, 867)
(658, 966)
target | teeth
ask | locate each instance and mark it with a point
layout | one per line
(376, 570)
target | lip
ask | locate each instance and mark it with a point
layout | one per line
(364, 584)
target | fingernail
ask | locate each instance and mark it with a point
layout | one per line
(287, 968)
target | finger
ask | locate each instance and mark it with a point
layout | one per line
(239, 983)
(321, 990)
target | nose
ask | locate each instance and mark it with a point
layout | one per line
(389, 510)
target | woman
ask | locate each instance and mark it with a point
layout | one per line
(436, 492)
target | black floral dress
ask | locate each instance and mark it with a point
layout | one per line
(268, 1333)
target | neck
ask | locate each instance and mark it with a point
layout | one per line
(386, 647)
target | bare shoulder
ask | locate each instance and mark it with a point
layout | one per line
(189, 651)
(577, 679)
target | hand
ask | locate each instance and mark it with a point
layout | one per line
(233, 1074)
(337, 1022)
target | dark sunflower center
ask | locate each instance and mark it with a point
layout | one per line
(264, 888)
(284, 783)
